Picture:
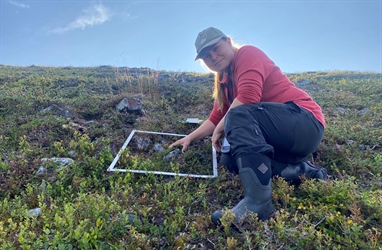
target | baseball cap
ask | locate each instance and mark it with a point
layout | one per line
(207, 38)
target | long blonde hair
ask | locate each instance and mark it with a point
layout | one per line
(219, 93)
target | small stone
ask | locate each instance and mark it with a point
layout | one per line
(72, 153)
(363, 112)
(350, 142)
(41, 170)
(142, 143)
(35, 211)
(341, 110)
(362, 148)
(171, 156)
(61, 162)
(158, 147)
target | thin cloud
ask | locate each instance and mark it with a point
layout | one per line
(95, 15)
(130, 16)
(19, 5)
(127, 14)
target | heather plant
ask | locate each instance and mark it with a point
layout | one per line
(70, 112)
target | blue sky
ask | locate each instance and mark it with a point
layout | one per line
(297, 35)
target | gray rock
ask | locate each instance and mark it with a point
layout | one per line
(142, 143)
(61, 162)
(350, 142)
(158, 147)
(363, 112)
(341, 110)
(72, 153)
(41, 171)
(362, 148)
(130, 105)
(35, 211)
(172, 155)
(56, 110)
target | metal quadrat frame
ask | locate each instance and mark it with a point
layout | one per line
(113, 169)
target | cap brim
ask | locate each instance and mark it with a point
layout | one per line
(207, 45)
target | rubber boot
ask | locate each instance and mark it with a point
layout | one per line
(295, 172)
(255, 174)
(229, 162)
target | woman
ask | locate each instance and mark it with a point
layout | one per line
(271, 125)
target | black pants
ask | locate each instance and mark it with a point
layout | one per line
(283, 131)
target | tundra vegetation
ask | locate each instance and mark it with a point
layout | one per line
(49, 113)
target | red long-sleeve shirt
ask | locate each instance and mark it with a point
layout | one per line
(256, 78)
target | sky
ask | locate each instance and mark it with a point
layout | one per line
(299, 36)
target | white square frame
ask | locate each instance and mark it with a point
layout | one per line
(113, 169)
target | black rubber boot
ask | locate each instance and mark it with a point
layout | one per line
(294, 173)
(255, 174)
(229, 162)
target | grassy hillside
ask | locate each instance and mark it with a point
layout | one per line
(71, 113)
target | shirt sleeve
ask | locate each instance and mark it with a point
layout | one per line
(252, 66)
(216, 115)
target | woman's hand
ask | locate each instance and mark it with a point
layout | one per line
(219, 130)
(217, 135)
(216, 142)
(205, 129)
(185, 142)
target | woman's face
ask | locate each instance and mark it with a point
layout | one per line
(217, 57)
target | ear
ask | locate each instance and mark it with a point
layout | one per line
(229, 41)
